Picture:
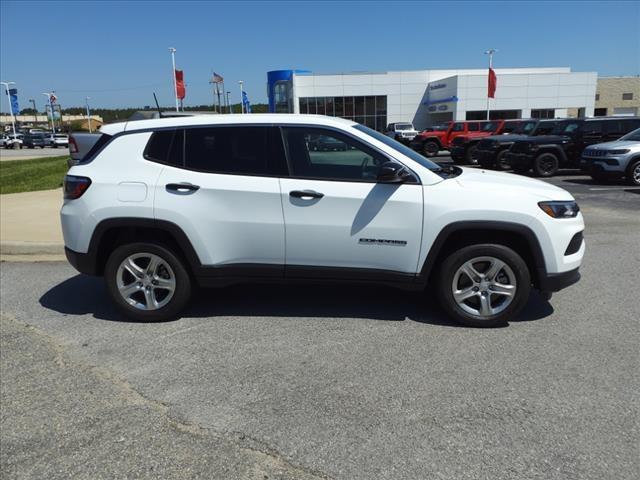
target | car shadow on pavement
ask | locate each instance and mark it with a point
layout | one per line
(84, 295)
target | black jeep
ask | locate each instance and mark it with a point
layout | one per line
(491, 151)
(563, 147)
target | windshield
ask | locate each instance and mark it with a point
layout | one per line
(565, 128)
(399, 147)
(632, 136)
(404, 126)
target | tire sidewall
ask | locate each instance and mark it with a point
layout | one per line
(501, 163)
(456, 259)
(632, 166)
(545, 173)
(430, 153)
(181, 294)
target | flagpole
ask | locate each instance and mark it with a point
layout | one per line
(224, 103)
(489, 52)
(241, 97)
(173, 73)
(212, 82)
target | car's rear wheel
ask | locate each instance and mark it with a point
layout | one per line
(430, 149)
(484, 285)
(147, 282)
(545, 165)
(501, 161)
(633, 173)
(470, 155)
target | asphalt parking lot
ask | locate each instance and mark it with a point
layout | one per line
(300, 382)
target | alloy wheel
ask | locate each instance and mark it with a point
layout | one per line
(145, 281)
(484, 286)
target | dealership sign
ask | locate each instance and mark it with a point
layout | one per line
(437, 86)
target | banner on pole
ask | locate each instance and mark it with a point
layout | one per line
(493, 83)
(13, 96)
(245, 102)
(180, 89)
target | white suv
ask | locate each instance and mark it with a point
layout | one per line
(157, 205)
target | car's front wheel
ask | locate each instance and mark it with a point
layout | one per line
(501, 161)
(484, 285)
(470, 155)
(633, 175)
(147, 282)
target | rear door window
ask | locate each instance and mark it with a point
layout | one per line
(472, 127)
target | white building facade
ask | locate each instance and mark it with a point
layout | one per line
(428, 97)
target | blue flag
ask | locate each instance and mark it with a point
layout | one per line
(13, 95)
(245, 102)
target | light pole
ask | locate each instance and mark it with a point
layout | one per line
(88, 113)
(13, 121)
(241, 97)
(489, 52)
(35, 111)
(173, 73)
(228, 104)
(53, 123)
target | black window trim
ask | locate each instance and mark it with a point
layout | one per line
(278, 125)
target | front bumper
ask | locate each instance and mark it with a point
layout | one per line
(605, 166)
(554, 282)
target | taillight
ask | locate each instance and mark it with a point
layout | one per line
(74, 186)
(73, 146)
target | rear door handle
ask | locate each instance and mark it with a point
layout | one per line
(184, 187)
(305, 194)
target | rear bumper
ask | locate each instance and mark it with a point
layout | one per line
(554, 282)
(82, 262)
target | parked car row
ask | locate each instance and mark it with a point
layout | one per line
(541, 146)
(34, 139)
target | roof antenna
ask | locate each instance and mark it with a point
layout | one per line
(157, 105)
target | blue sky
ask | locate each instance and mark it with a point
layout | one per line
(117, 52)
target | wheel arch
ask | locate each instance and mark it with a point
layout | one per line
(555, 149)
(516, 236)
(114, 232)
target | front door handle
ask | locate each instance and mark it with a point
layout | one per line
(183, 188)
(305, 194)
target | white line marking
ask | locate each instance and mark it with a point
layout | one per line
(613, 188)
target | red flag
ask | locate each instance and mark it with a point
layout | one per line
(180, 90)
(493, 83)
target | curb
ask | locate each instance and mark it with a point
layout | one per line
(31, 248)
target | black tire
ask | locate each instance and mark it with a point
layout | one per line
(545, 165)
(181, 293)
(455, 260)
(470, 155)
(502, 163)
(633, 173)
(430, 148)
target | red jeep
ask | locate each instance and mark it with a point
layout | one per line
(430, 143)
(463, 147)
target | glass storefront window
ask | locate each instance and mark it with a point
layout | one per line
(348, 107)
(359, 104)
(370, 110)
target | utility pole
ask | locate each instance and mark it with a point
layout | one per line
(13, 120)
(173, 73)
(88, 113)
(228, 103)
(489, 52)
(241, 97)
(35, 111)
(53, 123)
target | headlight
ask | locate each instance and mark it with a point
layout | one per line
(618, 152)
(560, 209)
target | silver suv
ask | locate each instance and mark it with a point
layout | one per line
(614, 159)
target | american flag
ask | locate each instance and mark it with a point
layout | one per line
(217, 78)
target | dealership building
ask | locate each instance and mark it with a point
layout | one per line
(428, 97)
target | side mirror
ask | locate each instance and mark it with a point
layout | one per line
(392, 172)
